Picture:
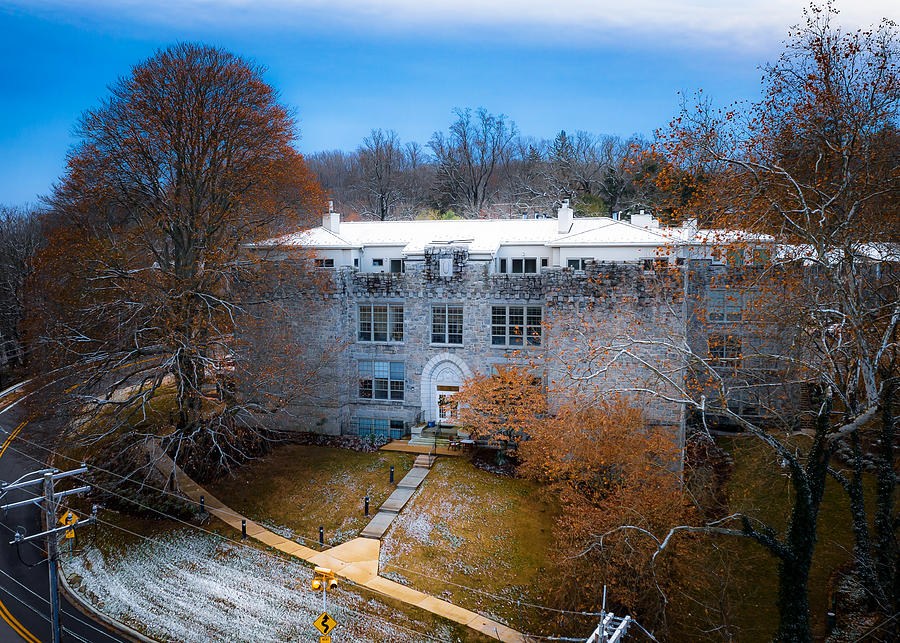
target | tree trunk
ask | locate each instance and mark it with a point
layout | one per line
(887, 568)
(862, 544)
(793, 599)
(795, 557)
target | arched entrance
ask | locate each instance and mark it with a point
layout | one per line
(442, 377)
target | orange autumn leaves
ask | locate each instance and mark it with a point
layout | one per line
(609, 468)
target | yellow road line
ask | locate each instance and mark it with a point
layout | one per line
(10, 438)
(18, 627)
(4, 612)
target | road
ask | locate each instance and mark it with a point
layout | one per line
(24, 606)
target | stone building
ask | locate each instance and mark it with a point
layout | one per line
(417, 307)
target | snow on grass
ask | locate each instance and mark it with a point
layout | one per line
(195, 588)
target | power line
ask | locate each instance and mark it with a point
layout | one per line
(877, 627)
(45, 600)
(229, 511)
(233, 542)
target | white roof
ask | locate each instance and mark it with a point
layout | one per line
(484, 236)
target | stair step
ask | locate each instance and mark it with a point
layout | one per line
(427, 441)
(424, 461)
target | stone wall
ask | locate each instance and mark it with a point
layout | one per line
(590, 306)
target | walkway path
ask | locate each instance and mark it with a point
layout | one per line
(397, 500)
(356, 560)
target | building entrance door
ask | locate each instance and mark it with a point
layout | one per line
(446, 406)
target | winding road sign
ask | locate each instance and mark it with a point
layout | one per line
(324, 623)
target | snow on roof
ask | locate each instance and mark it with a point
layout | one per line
(608, 232)
(485, 236)
(481, 236)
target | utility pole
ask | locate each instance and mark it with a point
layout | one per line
(50, 503)
(611, 628)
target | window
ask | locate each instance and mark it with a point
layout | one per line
(356, 262)
(544, 262)
(524, 266)
(656, 264)
(502, 266)
(324, 263)
(577, 264)
(761, 256)
(398, 265)
(381, 380)
(377, 262)
(380, 427)
(724, 306)
(380, 323)
(446, 324)
(724, 349)
(734, 257)
(516, 325)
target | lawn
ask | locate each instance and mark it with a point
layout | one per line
(297, 488)
(760, 487)
(180, 584)
(478, 530)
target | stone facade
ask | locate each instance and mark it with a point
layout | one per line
(577, 308)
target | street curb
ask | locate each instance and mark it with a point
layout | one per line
(85, 607)
(13, 388)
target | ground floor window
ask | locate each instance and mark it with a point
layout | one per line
(381, 380)
(380, 427)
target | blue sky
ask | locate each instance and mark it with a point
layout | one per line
(348, 66)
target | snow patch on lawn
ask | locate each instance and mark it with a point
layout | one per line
(417, 525)
(196, 588)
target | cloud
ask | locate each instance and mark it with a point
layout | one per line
(661, 23)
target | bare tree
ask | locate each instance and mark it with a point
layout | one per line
(19, 240)
(806, 337)
(145, 285)
(338, 174)
(469, 157)
(381, 158)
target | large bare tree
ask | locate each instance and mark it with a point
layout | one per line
(145, 285)
(381, 159)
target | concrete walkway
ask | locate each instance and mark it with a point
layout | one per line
(397, 500)
(355, 560)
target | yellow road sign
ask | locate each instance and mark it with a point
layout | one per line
(67, 519)
(324, 639)
(325, 623)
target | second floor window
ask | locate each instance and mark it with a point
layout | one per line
(381, 380)
(724, 349)
(516, 325)
(725, 305)
(446, 324)
(380, 323)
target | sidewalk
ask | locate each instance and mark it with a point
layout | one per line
(356, 560)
